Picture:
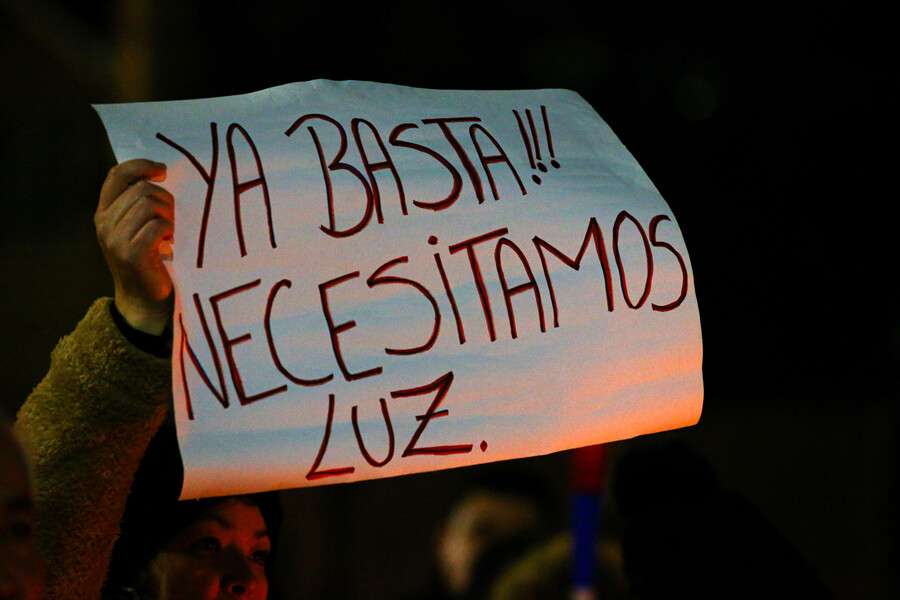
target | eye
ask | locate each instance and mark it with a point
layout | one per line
(261, 557)
(207, 544)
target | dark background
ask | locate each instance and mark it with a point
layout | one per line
(763, 130)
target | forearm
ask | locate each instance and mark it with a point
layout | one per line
(86, 427)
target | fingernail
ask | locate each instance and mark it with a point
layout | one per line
(159, 174)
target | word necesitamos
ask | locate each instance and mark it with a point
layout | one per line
(506, 253)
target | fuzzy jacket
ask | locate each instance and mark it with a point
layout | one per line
(86, 427)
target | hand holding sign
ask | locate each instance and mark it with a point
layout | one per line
(133, 218)
(375, 280)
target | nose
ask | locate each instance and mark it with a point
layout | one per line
(244, 579)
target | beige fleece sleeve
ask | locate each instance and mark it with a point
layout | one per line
(86, 427)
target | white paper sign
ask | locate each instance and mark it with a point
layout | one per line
(375, 280)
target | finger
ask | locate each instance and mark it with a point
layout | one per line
(144, 191)
(123, 175)
(151, 233)
(141, 213)
(130, 252)
(140, 192)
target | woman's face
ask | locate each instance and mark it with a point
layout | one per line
(221, 555)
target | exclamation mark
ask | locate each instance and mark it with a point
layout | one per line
(549, 137)
(534, 154)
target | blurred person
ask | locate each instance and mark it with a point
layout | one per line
(544, 572)
(21, 568)
(498, 506)
(684, 536)
(94, 420)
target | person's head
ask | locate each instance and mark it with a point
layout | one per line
(207, 549)
(500, 504)
(21, 568)
(221, 553)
